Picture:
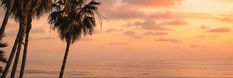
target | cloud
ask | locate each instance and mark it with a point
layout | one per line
(204, 27)
(170, 40)
(151, 3)
(132, 35)
(206, 36)
(201, 36)
(113, 30)
(149, 25)
(220, 30)
(152, 25)
(13, 32)
(105, 4)
(164, 15)
(124, 12)
(227, 19)
(128, 12)
(174, 23)
(155, 33)
(117, 43)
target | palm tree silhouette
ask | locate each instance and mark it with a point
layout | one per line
(7, 14)
(23, 11)
(19, 12)
(37, 8)
(2, 30)
(74, 20)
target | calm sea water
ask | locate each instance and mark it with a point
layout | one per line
(133, 69)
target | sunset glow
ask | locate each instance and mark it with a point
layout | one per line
(143, 29)
(116, 39)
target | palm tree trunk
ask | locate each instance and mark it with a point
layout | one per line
(12, 54)
(21, 37)
(65, 58)
(29, 26)
(7, 14)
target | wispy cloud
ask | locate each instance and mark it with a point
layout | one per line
(174, 23)
(204, 27)
(170, 40)
(151, 3)
(117, 43)
(132, 35)
(220, 30)
(149, 25)
(149, 33)
(124, 12)
(113, 30)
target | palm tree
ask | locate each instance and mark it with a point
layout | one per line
(28, 9)
(19, 11)
(2, 45)
(2, 30)
(38, 8)
(7, 14)
(31, 9)
(74, 20)
(10, 58)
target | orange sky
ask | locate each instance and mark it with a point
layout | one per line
(144, 29)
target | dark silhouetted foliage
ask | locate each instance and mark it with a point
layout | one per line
(73, 19)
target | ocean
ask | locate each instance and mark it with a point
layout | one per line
(132, 69)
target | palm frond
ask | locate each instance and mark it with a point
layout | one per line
(20, 7)
(42, 6)
(77, 19)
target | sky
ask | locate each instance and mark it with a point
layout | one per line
(142, 29)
